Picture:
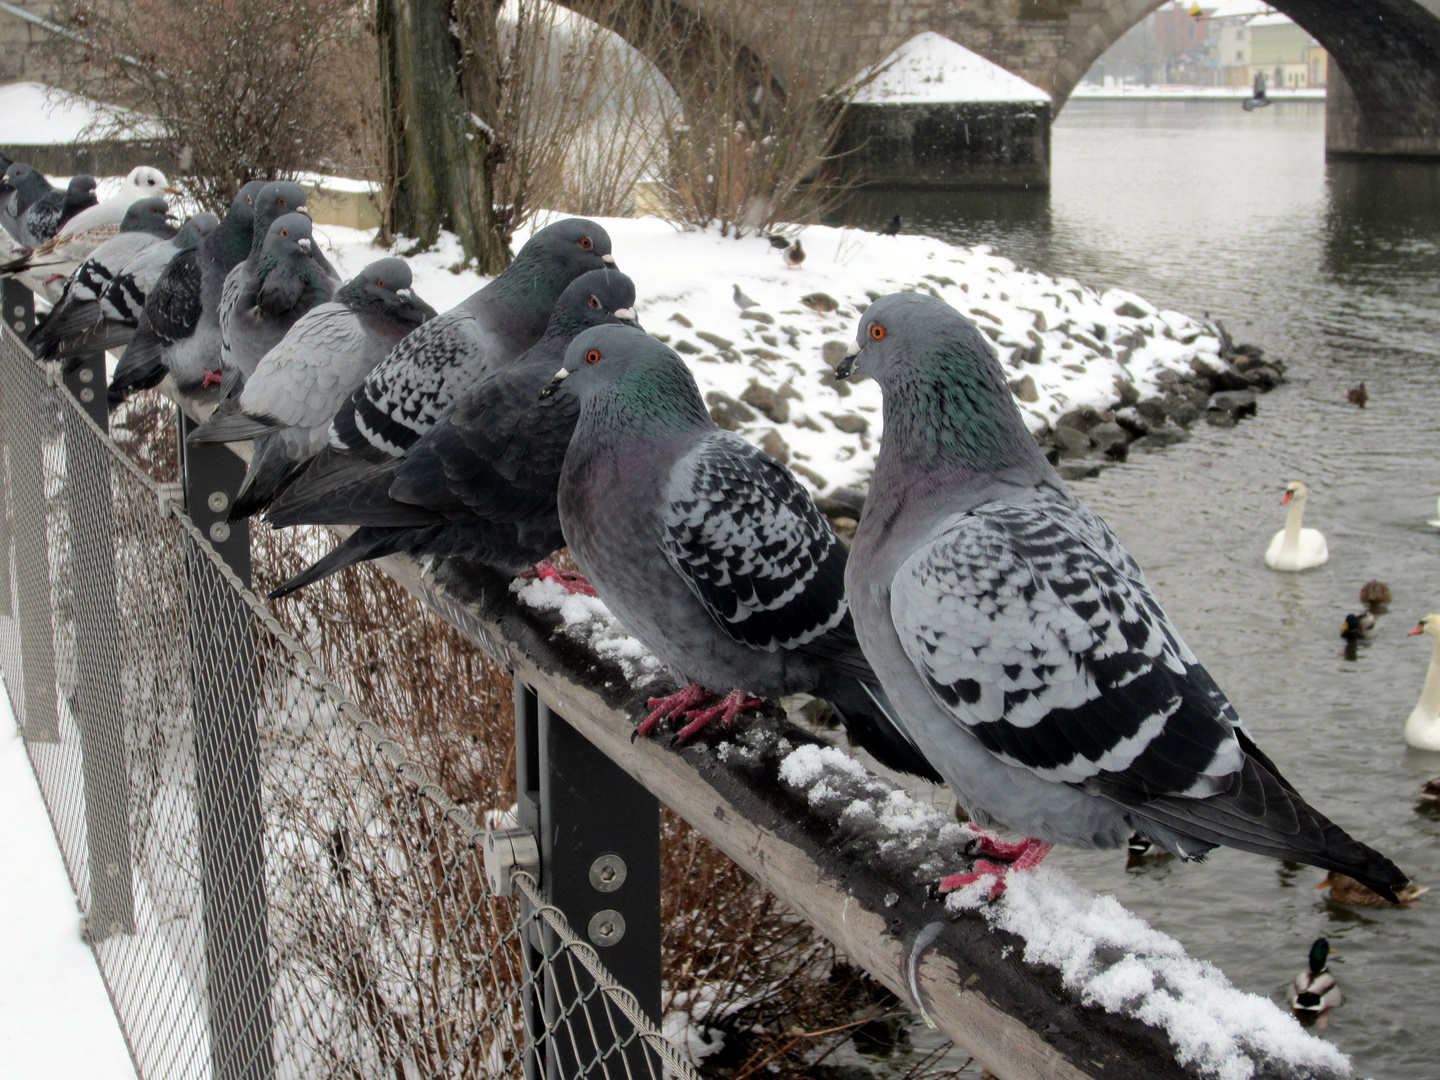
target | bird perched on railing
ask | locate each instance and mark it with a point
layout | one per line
(287, 404)
(179, 331)
(411, 389)
(141, 182)
(146, 223)
(1024, 651)
(706, 548)
(47, 208)
(482, 483)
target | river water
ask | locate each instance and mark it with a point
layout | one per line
(1334, 268)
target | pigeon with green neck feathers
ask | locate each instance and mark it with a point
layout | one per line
(707, 549)
(482, 483)
(179, 331)
(1021, 645)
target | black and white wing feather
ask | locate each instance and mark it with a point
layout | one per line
(750, 544)
(1032, 626)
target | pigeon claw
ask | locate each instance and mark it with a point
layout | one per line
(212, 378)
(672, 706)
(734, 703)
(574, 583)
(1025, 855)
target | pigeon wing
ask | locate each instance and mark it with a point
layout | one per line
(1033, 628)
(750, 544)
(173, 306)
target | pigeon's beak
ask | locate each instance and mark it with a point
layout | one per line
(554, 384)
(405, 293)
(303, 244)
(1418, 630)
(608, 260)
(303, 210)
(846, 367)
(625, 314)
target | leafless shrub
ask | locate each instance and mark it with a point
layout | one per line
(238, 89)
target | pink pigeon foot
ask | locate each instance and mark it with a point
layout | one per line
(212, 378)
(1025, 855)
(573, 583)
(670, 707)
(735, 702)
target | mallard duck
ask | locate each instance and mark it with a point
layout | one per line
(1357, 395)
(1315, 991)
(1374, 592)
(794, 255)
(1429, 794)
(1294, 548)
(1357, 627)
(1346, 890)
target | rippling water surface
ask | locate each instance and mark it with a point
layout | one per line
(1336, 269)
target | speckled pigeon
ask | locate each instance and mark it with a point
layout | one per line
(287, 283)
(481, 484)
(111, 320)
(146, 224)
(1021, 645)
(44, 216)
(706, 548)
(413, 387)
(286, 405)
(179, 330)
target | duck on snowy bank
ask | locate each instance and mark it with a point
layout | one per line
(1422, 730)
(1294, 548)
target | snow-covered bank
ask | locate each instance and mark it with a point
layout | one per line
(767, 371)
(1186, 92)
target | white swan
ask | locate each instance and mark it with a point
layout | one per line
(1294, 548)
(1436, 520)
(1423, 728)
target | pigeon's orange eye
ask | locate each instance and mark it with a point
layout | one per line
(593, 356)
(380, 283)
(284, 232)
(586, 243)
(594, 302)
(877, 332)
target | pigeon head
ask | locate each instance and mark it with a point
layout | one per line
(196, 229)
(288, 235)
(945, 392)
(19, 176)
(595, 298)
(634, 381)
(274, 200)
(561, 252)
(383, 288)
(233, 239)
(79, 195)
(146, 215)
(144, 181)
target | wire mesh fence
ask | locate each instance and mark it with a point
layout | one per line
(270, 887)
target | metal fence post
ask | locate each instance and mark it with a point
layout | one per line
(599, 834)
(97, 701)
(232, 827)
(25, 432)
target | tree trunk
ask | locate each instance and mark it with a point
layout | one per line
(437, 139)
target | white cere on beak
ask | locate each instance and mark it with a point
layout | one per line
(303, 244)
(626, 313)
(608, 260)
(854, 349)
(562, 375)
(406, 293)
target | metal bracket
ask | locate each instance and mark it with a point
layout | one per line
(171, 496)
(508, 852)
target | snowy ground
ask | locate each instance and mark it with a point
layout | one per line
(56, 1022)
(769, 369)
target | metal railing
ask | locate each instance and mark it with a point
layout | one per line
(270, 887)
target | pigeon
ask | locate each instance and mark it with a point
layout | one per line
(43, 217)
(110, 322)
(179, 330)
(7, 198)
(891, 227)
(24, 185)
(778, 241)
(412, 388)
(1314, 991)
(275, 199)
(743, 302)
(286, 405)
(146, 224)
(482, 482)
(794, 255)
(1021, 645)
(706, 548)
(142, 182)
(287, 283)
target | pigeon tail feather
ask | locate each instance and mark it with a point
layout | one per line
(869, 718)
(270, 470)
(361, 545)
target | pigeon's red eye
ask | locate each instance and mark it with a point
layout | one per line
(594, 302)
(877, 332)
(380, 283)
(593, 356)
(586, 243)
(280, 201)
(284, 232)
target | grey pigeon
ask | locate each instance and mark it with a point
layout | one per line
(275, 199)
(1024, 652)
(706, 548)
(413, 387)
(742, 301)
(42, 219)
(146, 223)
(24, 185)
(116, 313)
(179, 331)
(286, 405)
(481, 484)
(287, 283)
(7, 198)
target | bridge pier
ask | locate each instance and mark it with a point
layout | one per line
(1404, 128)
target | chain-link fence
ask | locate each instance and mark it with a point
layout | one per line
(270, 887)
